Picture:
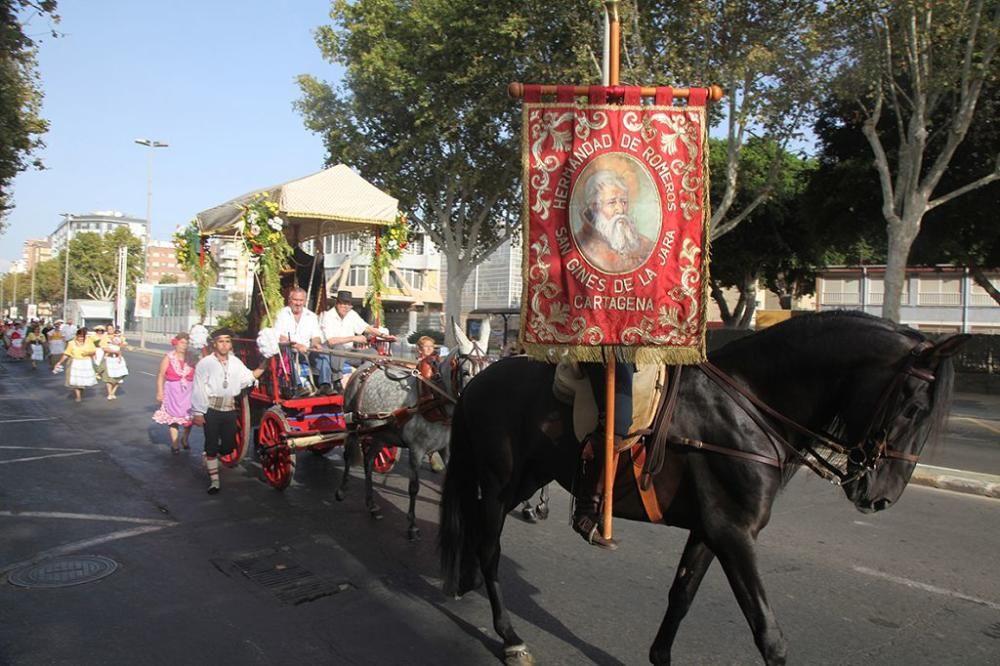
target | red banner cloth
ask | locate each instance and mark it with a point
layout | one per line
(615, 229)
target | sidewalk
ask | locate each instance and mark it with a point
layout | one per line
(959, 481)
(979, 412)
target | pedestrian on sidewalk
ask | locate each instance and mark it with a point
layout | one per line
(174, 384)
(219, 378)
(80, 355)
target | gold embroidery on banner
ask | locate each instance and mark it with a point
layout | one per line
(667, 327)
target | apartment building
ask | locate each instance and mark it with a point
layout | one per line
(161, 260)
(100, 222)
(939, 299)
(413, 295)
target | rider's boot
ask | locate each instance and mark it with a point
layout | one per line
(588, 490)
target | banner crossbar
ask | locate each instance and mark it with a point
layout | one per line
(714, 93)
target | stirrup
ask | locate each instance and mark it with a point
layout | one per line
(587, 527)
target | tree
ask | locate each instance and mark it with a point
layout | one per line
(778, 243)
(93, 263)
(768, 55)
(916, 70)
(168, 278)
(423, 110)
(20, 95)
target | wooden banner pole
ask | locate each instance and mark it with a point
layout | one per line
(610, 457)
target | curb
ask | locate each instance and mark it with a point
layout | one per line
(972, 483)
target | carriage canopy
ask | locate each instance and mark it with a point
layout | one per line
(335, 200)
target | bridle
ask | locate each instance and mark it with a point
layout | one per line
(464, 367)
(864, 455)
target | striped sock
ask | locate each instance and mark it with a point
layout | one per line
(212, 464)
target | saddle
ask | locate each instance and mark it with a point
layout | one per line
(572, 387)
(652, 401)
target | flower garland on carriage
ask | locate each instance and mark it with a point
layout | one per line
(388, 248)
(194, 259)
(261, 233)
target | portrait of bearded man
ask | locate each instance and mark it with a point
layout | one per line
(608, 237)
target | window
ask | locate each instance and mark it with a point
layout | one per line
(358, 277)
(415, 278)
(876, 291)
(939, 291)
(346, 244)
(841, 291)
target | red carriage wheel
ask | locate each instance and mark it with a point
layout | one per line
(276, 456)
(386, 459)
(244, 434)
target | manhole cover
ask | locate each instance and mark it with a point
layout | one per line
(64, 571)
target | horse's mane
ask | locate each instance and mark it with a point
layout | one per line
(804, 327)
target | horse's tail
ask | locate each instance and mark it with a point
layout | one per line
(457, 532)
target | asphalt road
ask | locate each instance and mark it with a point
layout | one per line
(914, 585)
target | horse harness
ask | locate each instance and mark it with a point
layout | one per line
(476, 358)
(866, 454)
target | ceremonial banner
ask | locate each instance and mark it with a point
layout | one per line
(615, 227)
(143, 300)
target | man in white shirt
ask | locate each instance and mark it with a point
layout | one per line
(218, 380)
(342, 327)
(298, 326)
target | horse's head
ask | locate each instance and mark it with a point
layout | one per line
(466, 360)
(909, 409)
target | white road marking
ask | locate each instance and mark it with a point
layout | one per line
(143, 372)
(47, 418)
(88, 516)
(60, 453)
(927, 588)
(979, 422)
(65, 549)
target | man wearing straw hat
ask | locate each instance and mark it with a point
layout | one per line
(219, 378)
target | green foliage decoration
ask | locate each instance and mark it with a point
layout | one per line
(260, 230)
(187, 246)
(388, 249)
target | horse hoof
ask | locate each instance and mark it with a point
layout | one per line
(517, 655)
(413, 533)
(543, 511)
(339, 495)
(529, 515)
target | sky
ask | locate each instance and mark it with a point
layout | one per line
(214, 79)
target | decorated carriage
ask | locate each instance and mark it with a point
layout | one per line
(270, 227)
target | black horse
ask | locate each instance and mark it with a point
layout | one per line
(853, 396)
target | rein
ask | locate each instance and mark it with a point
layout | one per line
(866, 454)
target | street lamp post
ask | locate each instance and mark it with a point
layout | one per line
(69, 235)
(151, 144)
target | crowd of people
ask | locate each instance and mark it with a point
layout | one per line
(200, 380)
(87, 357)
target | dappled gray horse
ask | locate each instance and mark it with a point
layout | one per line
(384, 400)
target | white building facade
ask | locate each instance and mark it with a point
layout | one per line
(101, 222)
